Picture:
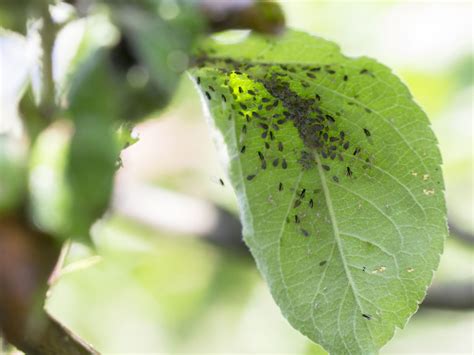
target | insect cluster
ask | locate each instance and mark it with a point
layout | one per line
(265, 98)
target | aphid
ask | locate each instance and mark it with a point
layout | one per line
(331, 71)
(335, 178)
(356, 151)
(264, 134)
(280, 187)
(237, 72)
(333, 139)
(281, 121)
(297, 203)
(260, 155)
(264, 164)
(305, 232)
(251, 92)
(367, 132)
(311, 204)
(275, 127)
(297, 219)
(318, 97)
(211, 88)
(265, 99)
(342, 135)
(348, 172)
(244, 107)
(322, 263)
(198, 80)
(247, 118)
(275, 162)
(284, 165)
(250, 177)
(368, 110)
(272, 137)
(346, 146)
(224, 98)
(330, 118)
(260, 107)
(267, 145)
(315, 69)
(221, 182)
(345, 78)
(364, 71)
(280, 146)
(364, 268)
(244, 128)
(303, 192)
(263, 125)
(367, 316)
(311, 75)
(325, 167)
(242, 150)
(208, 95)
(275, 103)
(241, 90)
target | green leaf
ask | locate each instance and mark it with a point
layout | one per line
(338, 178)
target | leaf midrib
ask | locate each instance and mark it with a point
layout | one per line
(337, 236)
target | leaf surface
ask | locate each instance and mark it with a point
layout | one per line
(338, 178)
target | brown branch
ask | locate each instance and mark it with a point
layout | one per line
(27, 259)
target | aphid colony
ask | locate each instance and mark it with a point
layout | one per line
(266, 97)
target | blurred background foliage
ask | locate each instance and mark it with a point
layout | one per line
(153, 282)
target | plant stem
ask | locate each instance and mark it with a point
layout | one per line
(47, 106)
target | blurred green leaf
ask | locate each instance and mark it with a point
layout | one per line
(12, 173)
(338, 177)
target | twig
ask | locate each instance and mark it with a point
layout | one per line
(48, 32)
(461, 234)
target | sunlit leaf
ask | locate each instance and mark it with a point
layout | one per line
(338, 177)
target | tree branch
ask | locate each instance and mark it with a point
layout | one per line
(179, 214)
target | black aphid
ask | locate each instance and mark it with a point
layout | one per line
(221, 182)
(272, 137)
(311, 203)
(224, 98)
(325, 167)
(208, 95)
(346, 145)
(318, 97)
(198, 80)
(311, 75)
(211, 88)
(244, 128)
(280, 146)
(260, 155)
(275, 162)
(241, 90)
(275, 127)
(265, 99)
(305, 232)
(264, 164)
(284, 165)
(267, 145)
(303, 192)
(250, 177)
(297, 203)
(242, 150)
(356, 151)
(322, 263)
(335, 178)
(244, 107)
(297, 219)
(345, 78)
(367, 316)
(331, 71)
(264, 134)
(368, 110)
(330, 118)
(348, 172)
(280, 187)
(367, 132)
(251, 92)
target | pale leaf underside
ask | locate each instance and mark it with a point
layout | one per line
(338, 178)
